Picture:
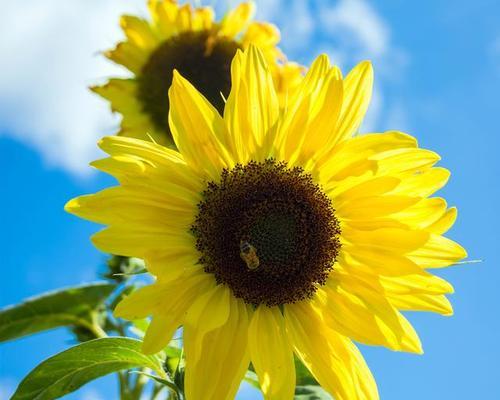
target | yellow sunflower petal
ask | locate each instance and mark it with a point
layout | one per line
(374, 207)
(297, 114)
(437, 303)
(424, 184)
(405, 161)
(167, 303)
(137, 243)
(365, 265)
(141, 303)
(438, 252)
(287, 78)
(164, 13)
(119, 206)
(326, 105)
(130, 56)
(400, 241)
(263, 35)
(359, 151)
(202, 18)
(376, 186)
(377, 262)
(271, 353)
(159, 333)
(167, 297)
(236, 20)
(216, 304)
(198, 129)
(138, 32)
(364, 314)
(216, 347)
(422, 214)
(184, 18)
(120, 93)
(170, 265)
(138, 163)
(169, 317)
(445, 222)
(252, 106)
(358, 86)
(416, 283)
(332, 359)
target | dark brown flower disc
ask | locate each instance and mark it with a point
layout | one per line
(268, 232)
(203, 60)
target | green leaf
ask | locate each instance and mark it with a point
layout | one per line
(252, 379)
(67, 371)
(311, 392)
(121, 268)
(173, 357)
(162, 381)
(66, 307)
(303, 376)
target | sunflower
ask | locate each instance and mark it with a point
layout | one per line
(189, 40)
(273, 233)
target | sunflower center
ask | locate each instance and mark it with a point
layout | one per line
(201, 59)
(268, 232)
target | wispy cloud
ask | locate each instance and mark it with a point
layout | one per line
(50, 54)
(51, 58)
(88, 393)
(7, 387)
(348, 31)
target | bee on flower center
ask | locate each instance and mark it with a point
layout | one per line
(249, 254)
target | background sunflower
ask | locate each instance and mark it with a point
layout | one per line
(190, 40)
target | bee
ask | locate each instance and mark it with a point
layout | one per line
(249, 254)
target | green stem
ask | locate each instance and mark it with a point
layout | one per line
(123, 382)
(94, 327)
(123, 386)
(157, 389)
(139, 387)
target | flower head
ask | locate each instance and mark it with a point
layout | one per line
(190, 41)
(273, 232)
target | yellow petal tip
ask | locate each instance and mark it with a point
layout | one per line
(72, 205)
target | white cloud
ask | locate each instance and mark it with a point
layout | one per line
(7, 388)
(50, 55)
(88, 393)
(348, 31)
(359, 19)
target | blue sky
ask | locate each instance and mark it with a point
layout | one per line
(437, 66)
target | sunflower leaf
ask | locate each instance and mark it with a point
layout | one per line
(67, 307)
(303, 376)
(69, 370)
(252, 379)
(311, 392)
(162, 381)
